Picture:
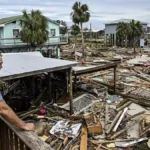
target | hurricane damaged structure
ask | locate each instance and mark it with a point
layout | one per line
(29, 77)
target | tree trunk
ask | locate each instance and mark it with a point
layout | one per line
(82, 39)
(126, 41)
(134, 47)
(75, 40)
(122, 42)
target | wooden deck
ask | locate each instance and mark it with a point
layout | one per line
(17, 43)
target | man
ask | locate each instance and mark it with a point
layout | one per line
(8, 114)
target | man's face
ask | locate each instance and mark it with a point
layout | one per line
(1, 62)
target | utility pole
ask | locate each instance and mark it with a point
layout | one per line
(90, 34)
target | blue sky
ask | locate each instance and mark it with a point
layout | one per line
(101, 10)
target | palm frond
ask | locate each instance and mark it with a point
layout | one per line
(34, 28)
(84, 8)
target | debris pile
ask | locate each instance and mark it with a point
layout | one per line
(108, 122)
(101, 119)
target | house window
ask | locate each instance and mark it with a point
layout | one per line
(15, 33)
(52, 32)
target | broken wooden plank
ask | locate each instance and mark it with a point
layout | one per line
(83, 143)
(138, 114)
(120, 119)
(106, 116)
(123, 130)
(123, 106)
(109, 141)
(114, 122)
(145, 131)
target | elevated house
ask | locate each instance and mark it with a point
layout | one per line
(10, 40)
(110, 30)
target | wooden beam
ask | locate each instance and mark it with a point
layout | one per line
(70, 90)
(50, 87)
(95, 69)
(114, 80)
(113, 122)
(83, 142)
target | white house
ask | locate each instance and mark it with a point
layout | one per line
(110, 29)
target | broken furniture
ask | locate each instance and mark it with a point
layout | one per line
(93, 124)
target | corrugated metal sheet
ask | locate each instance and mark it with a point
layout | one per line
(25, 53)
(17, 65)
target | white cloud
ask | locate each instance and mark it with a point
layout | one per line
(101, 11)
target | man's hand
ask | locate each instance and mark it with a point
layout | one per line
(28, 126)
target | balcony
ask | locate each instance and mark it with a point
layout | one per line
(16, 42)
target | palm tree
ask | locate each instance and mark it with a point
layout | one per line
(34, 28)
(122, 32)
(79, 16)
(75, 30)
(135, 32)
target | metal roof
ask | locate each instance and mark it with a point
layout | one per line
(17, 65)
(125, 21)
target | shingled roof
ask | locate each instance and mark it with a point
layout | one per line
(13, 18)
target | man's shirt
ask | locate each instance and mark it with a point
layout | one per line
(1, 97)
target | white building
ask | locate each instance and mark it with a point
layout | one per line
(110, 30)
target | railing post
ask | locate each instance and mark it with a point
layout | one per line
(70, 90)
(16, 142)
(14, 41)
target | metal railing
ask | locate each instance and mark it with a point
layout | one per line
(17, 41)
